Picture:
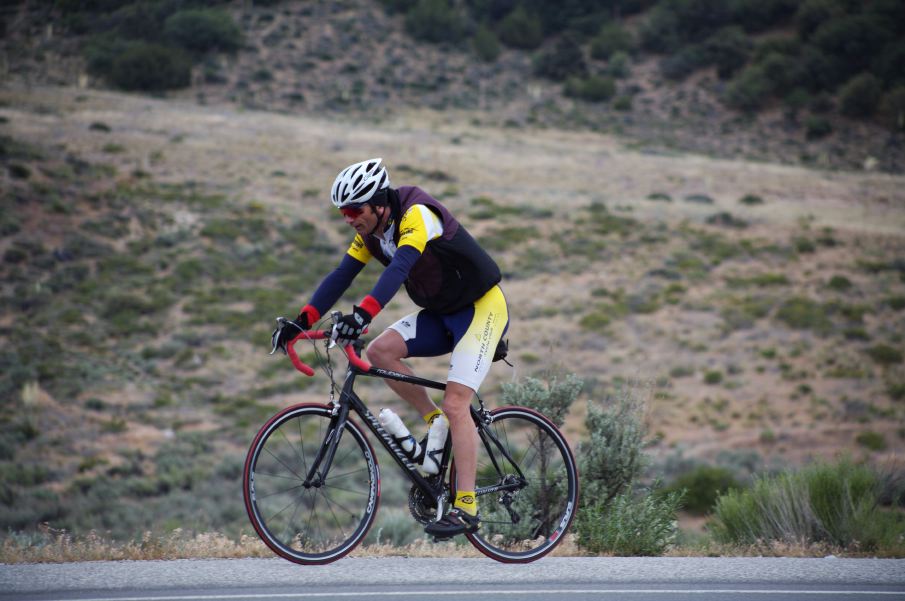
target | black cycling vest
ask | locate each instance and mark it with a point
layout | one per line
(453, 270)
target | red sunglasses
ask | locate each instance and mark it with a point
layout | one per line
(352, 211)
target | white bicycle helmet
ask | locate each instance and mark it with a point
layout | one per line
(359, 182)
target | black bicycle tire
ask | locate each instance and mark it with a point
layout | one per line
(251, 507)
(504, 556)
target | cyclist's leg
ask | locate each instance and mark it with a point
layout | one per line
(420, 334)
(469, 364)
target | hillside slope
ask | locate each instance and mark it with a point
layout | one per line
(147, 244)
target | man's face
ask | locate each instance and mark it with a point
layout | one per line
(363, 218)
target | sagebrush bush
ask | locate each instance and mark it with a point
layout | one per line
(612, 457)
(553, 398)
(630, 524)
(821, 503)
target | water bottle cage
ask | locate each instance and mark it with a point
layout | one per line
(436, 455)
(410, 454)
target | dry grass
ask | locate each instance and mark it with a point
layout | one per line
(58, 546)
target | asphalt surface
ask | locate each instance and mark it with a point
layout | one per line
(557, 579)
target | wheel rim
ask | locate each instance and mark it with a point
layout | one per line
(526, 524)
(314, 524)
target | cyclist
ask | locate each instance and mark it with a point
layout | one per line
(447, 274)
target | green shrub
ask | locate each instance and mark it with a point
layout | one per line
(485, 44)
(817, 126)
(860, 97)
(612, 457)
(592, 89)
(612, 38)
(150, 68)
(661, 196)
(896, 303)
(780, 70)
(565, 59)
(683, 63)
(619, 68)
(831, 503)
(751, 200)
(713, 377)
(884, 354)
(758, 15)
(630, 525)
(804, 314)
(553, 398)
(892, 109)
(749, 90)
(728, 49)
(203, 30)
(839, 283)
(622, 103)
(521, 29)
(434, 21)
(702, 486)
(851, 42)
(814, 13)
(873, 441)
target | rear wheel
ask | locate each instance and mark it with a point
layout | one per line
(527, 486)
(317, 522)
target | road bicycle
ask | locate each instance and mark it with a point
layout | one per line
(311, 480)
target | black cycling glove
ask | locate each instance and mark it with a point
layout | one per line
(351, 326)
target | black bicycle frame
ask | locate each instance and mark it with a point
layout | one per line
(349, 401)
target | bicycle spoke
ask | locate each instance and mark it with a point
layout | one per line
(321, 523)
(540, 487)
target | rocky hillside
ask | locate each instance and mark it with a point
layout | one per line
(357, 58)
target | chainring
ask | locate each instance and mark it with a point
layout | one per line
(423, 509)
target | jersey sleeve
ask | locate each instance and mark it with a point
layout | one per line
(358, 250)
(419, 226)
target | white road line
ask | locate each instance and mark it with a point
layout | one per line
(620, 591)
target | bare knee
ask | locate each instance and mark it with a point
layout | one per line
(386, 349)
(457, 401)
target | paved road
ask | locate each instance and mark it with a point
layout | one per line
(556, 579)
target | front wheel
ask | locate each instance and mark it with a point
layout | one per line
(526, 486)
(310, 521)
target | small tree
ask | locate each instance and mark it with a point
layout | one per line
(203, 30)
(562, 61)
(860, 96)
(435, 21)
(485, 44)
(728, 49)
(150, 68)
(611, 39)
(521, 29)
(892, 109)
(749, 90)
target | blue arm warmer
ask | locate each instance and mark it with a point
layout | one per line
(395, 274)
(336, 282)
